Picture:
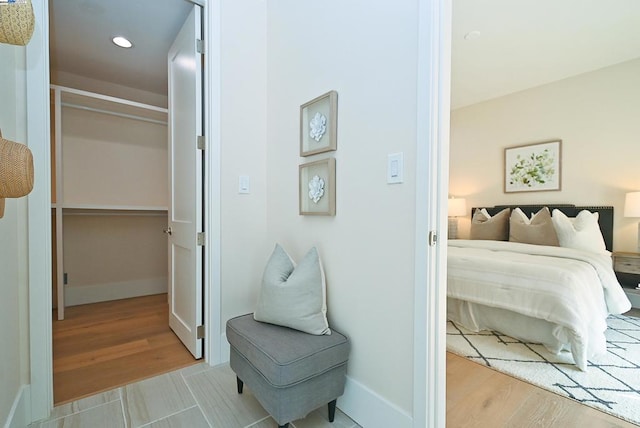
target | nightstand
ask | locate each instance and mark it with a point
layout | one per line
(627, 269)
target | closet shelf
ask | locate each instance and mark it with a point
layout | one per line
(88, 209)
(77, 98)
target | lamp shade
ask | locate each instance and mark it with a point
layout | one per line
(458, 207)
(631, 205)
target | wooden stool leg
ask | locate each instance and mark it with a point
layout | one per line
(332, 410)
(240, 385)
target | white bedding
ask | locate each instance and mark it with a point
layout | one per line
(571, 289)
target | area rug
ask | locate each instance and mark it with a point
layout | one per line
(611, 382)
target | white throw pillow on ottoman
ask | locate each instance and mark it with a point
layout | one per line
(294, 296)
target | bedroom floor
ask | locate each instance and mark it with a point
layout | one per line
(493, 399)
(490, 398)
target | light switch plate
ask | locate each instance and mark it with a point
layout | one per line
(244, 184)
(395, 168)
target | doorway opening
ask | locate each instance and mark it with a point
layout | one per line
(109, 188)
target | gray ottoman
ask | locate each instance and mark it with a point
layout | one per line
(290, 372)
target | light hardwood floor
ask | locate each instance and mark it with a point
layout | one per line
(478, 396)
(101, 346)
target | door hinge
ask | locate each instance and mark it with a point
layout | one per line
(200, 238)
(200, 46)
(433, 238)
(201, 142)
(200, 332)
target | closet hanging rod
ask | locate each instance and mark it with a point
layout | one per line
(113, 113)
(64, 89)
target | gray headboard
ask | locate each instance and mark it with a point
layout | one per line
(605, 215)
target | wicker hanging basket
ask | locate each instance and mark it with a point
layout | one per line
(16, 169)
(16, 22)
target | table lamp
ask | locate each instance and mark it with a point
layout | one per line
(632, 209)
(457, 208)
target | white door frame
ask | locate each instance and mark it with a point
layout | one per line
(39, 202)
(432, 182)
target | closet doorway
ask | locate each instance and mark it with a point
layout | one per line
(110, 203)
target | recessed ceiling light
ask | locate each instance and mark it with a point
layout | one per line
(123, 42)
(472, 35)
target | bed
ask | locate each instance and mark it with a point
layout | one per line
(559, 295)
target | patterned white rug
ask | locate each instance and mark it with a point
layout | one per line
(611, 382)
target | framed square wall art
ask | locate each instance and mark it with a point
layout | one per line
(318, 124)
(318, 187)
(533, 167)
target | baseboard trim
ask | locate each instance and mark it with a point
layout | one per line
(225, 348)
(364, 406)
(19, 415)
(368, 409)
(83, 294)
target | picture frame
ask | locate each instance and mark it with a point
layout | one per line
(317, 187)
(533, 167)
(319, 124)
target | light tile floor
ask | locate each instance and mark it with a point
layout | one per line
(196, 396)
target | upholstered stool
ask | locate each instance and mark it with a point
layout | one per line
(290, 372)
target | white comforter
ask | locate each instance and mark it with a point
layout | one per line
(572, 289)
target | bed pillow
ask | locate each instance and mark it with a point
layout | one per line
(485, 226)
(537, 230)
(581, 232)
(294, 296)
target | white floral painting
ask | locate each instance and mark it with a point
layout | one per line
(318, 124)
(533, 167)
(318, 187)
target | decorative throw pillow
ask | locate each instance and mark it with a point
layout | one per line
(537, 230)
(581, 232)
(294, 296)
(484, 226)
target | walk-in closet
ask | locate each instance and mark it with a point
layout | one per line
(109, 198)
(109, 210)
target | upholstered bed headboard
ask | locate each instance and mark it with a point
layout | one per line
(605, 215)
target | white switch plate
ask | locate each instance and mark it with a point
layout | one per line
(395, 168)
(244, 184)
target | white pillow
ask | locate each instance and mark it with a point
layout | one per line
(294, 296)
(581, 232)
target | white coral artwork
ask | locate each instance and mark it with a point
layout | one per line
(318, 126)
(316, 189)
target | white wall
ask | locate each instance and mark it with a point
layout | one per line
(596, 116)
(112, 160)
(13, 241)
(243, 130)
(367, 52)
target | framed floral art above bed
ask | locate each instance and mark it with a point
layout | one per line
(533, 167)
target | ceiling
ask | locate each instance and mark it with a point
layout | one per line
(81, 32)
(528, 43)
(522, 43)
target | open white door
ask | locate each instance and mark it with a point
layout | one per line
(185, 185)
